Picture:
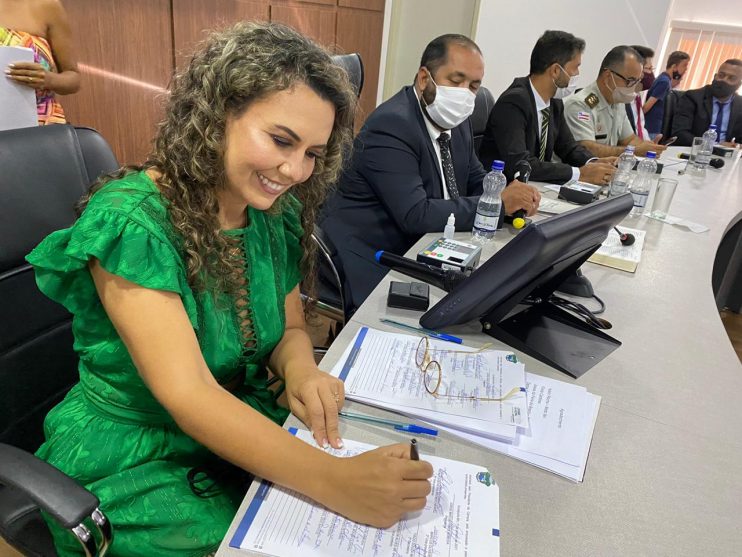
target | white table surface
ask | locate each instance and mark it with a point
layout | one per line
(664, 476)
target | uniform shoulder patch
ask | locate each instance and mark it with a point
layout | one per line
(592, 100)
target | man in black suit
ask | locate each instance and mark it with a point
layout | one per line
(527, 121)
(716, 103)
(413, 164)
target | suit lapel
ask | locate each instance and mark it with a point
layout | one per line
(427, 142)
(735, 115)
(533, 130)
(708, 104)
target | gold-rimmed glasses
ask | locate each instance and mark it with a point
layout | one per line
(433, 376)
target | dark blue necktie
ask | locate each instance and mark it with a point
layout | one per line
(719, 119)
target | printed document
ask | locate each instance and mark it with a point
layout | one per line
(461, 518)
(562, 419)
(382, 366)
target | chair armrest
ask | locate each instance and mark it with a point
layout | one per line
(53, 491)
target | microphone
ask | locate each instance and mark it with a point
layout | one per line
(522, 173)
(445, 279)
(714, 162)
(626, 238)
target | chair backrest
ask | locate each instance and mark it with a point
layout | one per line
(45, 170)
(330, 298)
(671, 103)
(353, 65)
(483, 104)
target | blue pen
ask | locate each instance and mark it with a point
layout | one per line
(428, 332)
(399, 426)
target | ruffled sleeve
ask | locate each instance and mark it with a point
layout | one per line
(293, 232)
(126, 243)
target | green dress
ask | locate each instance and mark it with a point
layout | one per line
(110, 433)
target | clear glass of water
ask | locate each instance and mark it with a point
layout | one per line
(663, 197)
(695, 150)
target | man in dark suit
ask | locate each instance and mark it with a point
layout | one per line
(413, 164)
(527, 121)
(716, 103)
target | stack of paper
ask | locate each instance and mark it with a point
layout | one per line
(18, 106)
(612, 253)
(461, 518)
(549, 423)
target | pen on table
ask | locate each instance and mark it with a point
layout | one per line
(433, 334)
(399, 426)
(414, 455)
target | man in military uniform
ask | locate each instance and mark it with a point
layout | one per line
(597, 115)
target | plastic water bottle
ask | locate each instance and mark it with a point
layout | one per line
(627, 159)
(488, 208)
(707, 147)
(450, 227)
(622, 177)
(641, 186)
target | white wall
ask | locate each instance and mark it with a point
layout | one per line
(725, 12)
(412, 25)
(506, 31)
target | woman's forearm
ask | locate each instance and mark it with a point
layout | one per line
(64, 83)
(293, 352)
(240, 434)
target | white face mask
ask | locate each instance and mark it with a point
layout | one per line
(622, 94)
(451, 106)
(562, 92)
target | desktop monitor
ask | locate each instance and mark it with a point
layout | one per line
(510, 292)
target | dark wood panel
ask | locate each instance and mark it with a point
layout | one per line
(314, 21)
(125, 55)
(193, 19)
(360, 31)
(376, 5)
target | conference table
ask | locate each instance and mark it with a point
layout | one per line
(664, 474)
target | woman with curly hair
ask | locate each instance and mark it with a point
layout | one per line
(182, 276)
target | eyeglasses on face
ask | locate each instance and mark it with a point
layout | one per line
(433, 376)
(629, 82)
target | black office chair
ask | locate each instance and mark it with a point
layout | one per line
(330, 298)
(353, 66)
(483, 104)
(45, 170)
(671, 104)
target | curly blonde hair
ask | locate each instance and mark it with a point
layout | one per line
(230, 70)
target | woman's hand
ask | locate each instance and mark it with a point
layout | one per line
(378, 487)
(30, 74)
(315, 398)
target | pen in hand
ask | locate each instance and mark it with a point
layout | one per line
(414, 455)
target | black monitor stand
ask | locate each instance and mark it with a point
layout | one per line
(553, 336)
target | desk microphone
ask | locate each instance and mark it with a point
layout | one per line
(522, 173)
(444, 279)
(714, 162)
(626, 238)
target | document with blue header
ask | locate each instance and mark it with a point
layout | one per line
(461, 518)
(484, 386)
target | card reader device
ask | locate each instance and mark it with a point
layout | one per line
(451, 254)
(579, 192)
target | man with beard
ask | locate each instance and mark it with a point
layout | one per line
(716, 104)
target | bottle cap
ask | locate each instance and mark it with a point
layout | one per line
(630, 148)
(451, 219)
(651, 155)
(498, 165)
(712, 127)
